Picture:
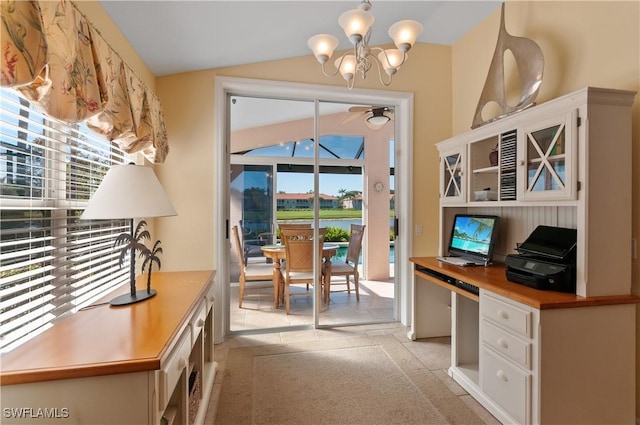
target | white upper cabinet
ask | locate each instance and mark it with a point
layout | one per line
(547, 158)
(452, 172)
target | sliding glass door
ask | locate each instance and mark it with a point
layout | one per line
(333, 173)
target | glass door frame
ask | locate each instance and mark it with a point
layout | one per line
(225, 87)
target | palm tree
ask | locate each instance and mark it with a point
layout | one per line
(151, 256)
(483, 226)
(132, 243)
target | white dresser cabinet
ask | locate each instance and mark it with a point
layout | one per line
(148, 363)
(507, 340)
(531, 356)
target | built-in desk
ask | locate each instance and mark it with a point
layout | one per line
(530, 356)
(119, 365)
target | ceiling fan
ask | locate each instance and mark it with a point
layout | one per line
(375, 116)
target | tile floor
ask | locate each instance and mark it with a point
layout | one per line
(257, 312)
(376, 304)
(434, 353)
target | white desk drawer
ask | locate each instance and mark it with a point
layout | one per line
(172, 369)
(508, 315)
(507, 344)
(506, 385)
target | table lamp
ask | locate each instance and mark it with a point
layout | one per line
(130, 192)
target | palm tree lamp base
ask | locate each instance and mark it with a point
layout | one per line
(127, 299)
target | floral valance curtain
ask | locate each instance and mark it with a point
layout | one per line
(59, 61)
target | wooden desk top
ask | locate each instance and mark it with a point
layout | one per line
(105, 340)
(493, 278)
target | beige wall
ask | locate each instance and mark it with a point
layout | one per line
(584, 44)
(188, 176)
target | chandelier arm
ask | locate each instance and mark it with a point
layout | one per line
(332, 74)
(381, 71)
(380, 50)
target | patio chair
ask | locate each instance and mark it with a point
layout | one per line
(293, 226)
(252, 272)
(350, 266)
(298, 245)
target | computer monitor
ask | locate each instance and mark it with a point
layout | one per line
(473, 237)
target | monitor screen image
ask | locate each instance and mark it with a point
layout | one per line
(474, 236)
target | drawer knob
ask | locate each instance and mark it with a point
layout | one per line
(200, 323)
(503, 343)
(502, 375)
(503, 314)
(182, 364)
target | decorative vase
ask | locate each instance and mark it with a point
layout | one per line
(493, 157)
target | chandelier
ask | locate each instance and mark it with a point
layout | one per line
(357, 24)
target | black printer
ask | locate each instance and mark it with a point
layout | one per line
(546, 260)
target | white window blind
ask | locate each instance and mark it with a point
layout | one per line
(51, 263)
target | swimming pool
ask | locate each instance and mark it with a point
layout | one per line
(342, 253)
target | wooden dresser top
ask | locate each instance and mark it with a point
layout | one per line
(105, 340)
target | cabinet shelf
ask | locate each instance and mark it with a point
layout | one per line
(487, 170)
(550, 158)
(169, 415)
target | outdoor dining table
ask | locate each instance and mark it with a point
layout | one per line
(277, 254)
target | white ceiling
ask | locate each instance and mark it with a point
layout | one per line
(181, 36)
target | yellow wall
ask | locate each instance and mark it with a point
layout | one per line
(187, 174)
(584, 44)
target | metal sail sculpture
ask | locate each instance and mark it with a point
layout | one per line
(530, 62)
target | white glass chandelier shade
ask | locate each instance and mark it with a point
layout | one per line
(128, 192)
(347, 66)
(323, 46)
(356, 23)
(391, 60)
(404, 34)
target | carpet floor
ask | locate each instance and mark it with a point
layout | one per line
(360, 380)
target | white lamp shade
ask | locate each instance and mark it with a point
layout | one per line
(391, 60)
(127, 192)
(347, 66)
(322, 46)
(356, 23)
(405, 33)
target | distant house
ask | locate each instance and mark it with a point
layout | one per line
(355, 202)
(352, 202)
(304, 201)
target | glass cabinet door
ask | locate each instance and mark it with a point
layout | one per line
(548, 158)
(453, 186)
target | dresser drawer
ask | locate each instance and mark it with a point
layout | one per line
(506, 314)
(506, 385)
(209, 296)
(172, 369)
(507, 344)
(198, 320)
